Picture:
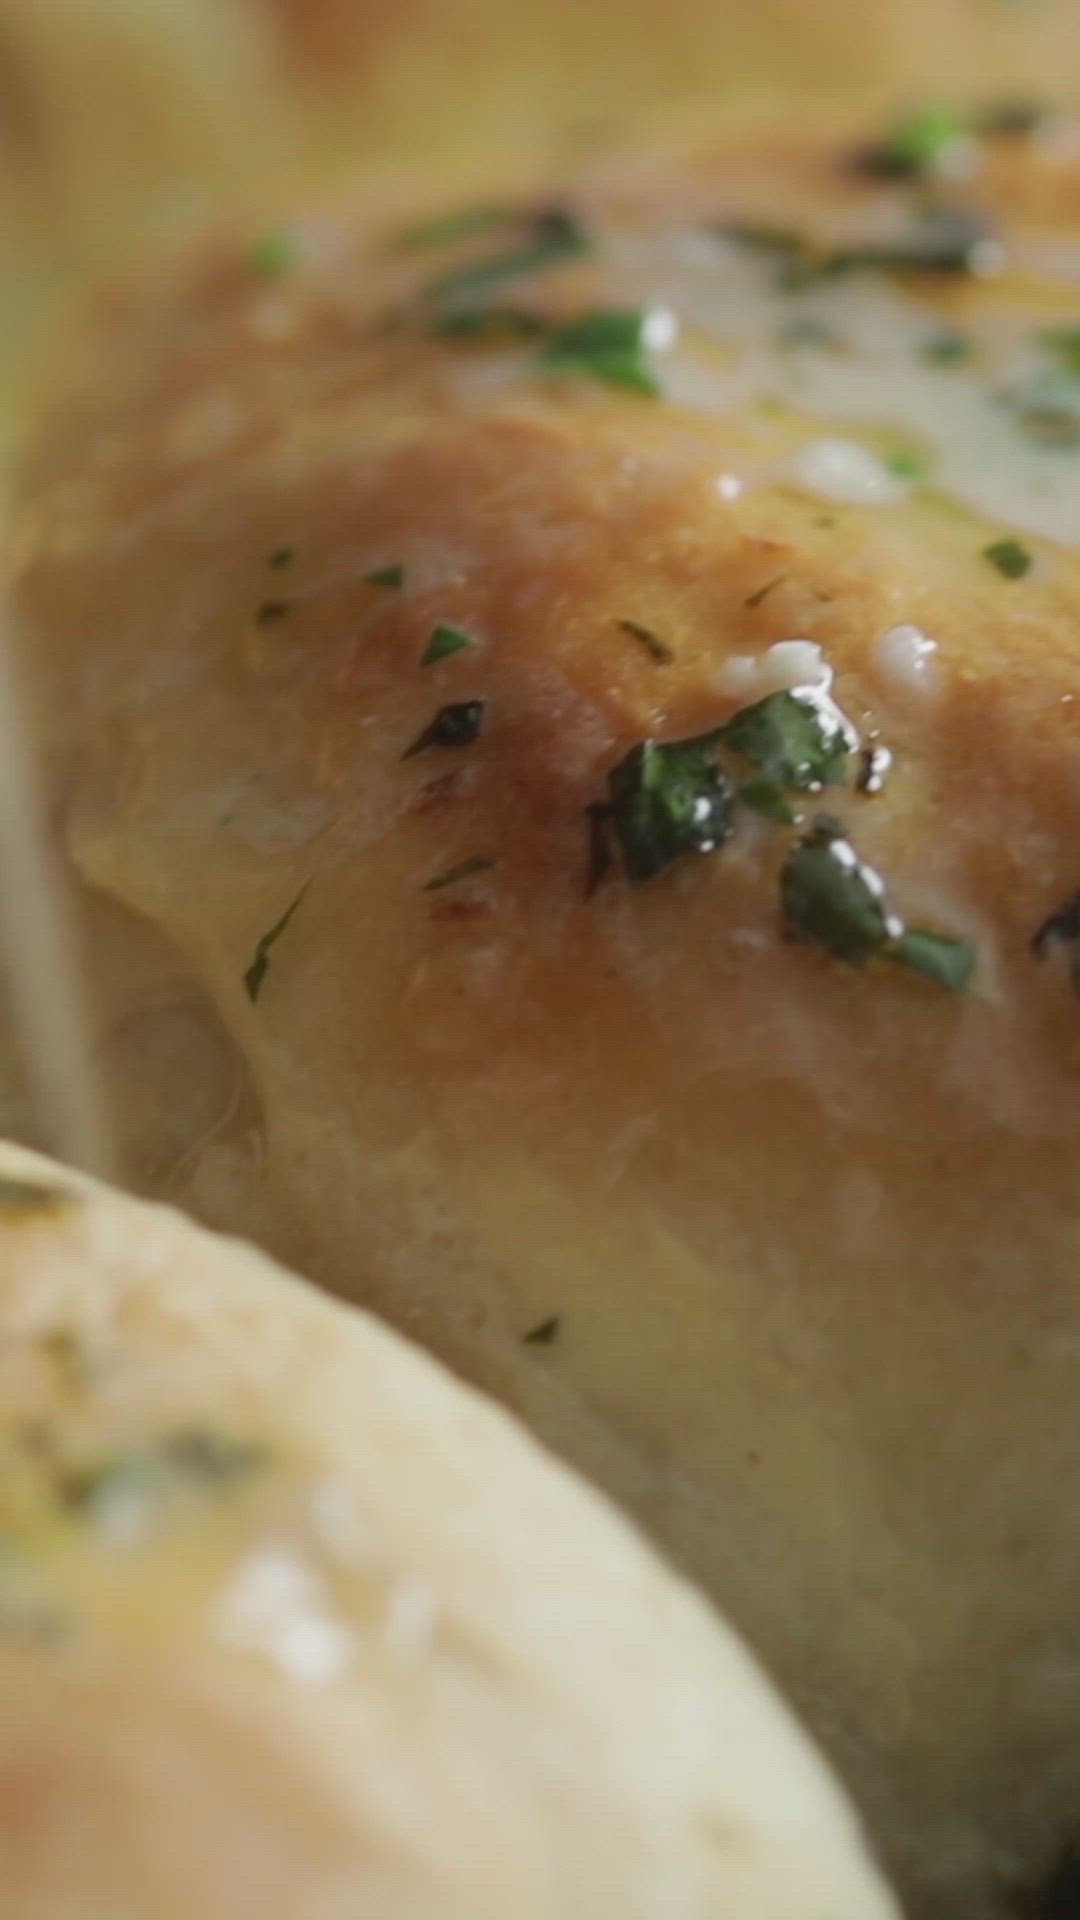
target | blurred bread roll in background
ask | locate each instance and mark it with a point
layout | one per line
(290, 1623)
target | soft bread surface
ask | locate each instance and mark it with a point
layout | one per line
(795, 1242)
(294, 1624)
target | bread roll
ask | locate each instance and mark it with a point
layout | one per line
(290, 1623)
(360, 571)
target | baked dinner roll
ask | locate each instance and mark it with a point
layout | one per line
(291, 1623)
(565, 719)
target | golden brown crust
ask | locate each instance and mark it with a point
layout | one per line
(807, 1232)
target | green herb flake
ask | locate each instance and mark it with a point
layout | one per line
(908, 465)
(941, 241)
(946, 349)
(273, 253)
(609, 344)
(392, 577)
(768, 798)
(649, 641)
(464, 870)
(457, 725)
(1062, 928)
(194, 1457)
(1010, 119)
(460, 223)
(667, 800)
(271, 611)
(918, 144)
(761, 594)
(281, 557)
(1009, 557)
(829, 895)
(545, 1333)
(948, 962)
(256, 973)
(796, 739)
(488, 322)
(443, 642)
(777, 243)
(550, 238)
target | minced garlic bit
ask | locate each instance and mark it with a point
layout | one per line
(904, 656)
(845, 471)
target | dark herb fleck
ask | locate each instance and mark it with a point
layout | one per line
(797, 740)
(272, 610)
(656, 648)
(946, 349)
(192, 1456)
(609, 345)
(806, 332)
(598, 815)
(828, 894)
(256, 973)
(273, 253)
(1009, 557)
(874, 764)
(460, 223)
(444, 641)
(281, 557)
(908, 465)
(768, 798)
(1009, 119)
(548, 238)
(941, 240)
(544, 1333)
(1062, 928)
(487, 322)
(761, 594)
(464, 870)
(393, 576)
(917, 144)
(457, 725)
(668, 800)
(778, 242)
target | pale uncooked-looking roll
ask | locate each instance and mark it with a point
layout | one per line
(292, 1624)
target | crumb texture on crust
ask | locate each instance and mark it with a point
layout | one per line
(781, 1249)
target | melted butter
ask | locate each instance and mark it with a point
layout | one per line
(850, 354)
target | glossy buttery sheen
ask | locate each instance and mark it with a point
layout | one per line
(796, 1242)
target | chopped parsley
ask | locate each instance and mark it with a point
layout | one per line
(547, 239)
(829, 895)
(256, 973)
(444, 641)
(281, 557)
(1009, 119)
(649, 641)
(667, 800)
(908, 465)
(768, 798)
(486, 322)
(464, 870)
(1062, 928)
(761, 594)
(797, 740)
(941, 240)
(544, 1333)
(273, 253)
(609, 344)
(271, 611)
(392, 576)
(918, 144)
(946, 349)
(193, 1456)
(457, 725)
(1009, 557)
(460, 223)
